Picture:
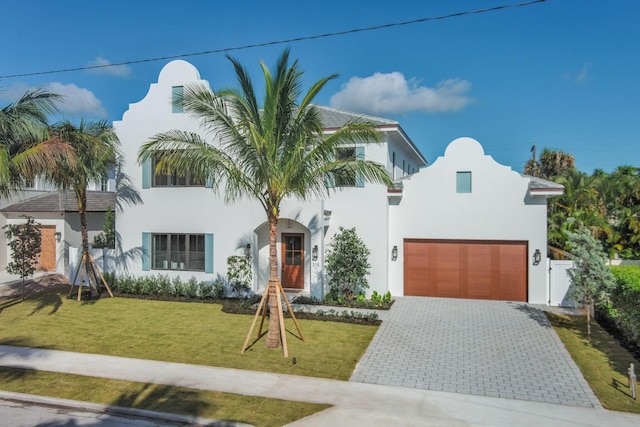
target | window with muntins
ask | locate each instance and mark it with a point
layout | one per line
(173, 180)
(178, 252)
(346, 154)
(463, 182)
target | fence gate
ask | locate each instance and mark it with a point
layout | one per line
(559, 283)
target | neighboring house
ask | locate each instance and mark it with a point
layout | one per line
(57, 212)
(443, 230)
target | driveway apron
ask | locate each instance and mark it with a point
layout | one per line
(489, 348)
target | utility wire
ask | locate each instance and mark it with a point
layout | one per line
(276, 42)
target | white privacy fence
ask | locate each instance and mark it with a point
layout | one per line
(104, 258)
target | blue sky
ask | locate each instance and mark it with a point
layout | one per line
(563, 74)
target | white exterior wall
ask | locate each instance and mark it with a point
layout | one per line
(199, 210)
(498, 208)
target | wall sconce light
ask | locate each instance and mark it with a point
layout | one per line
(247, 251)
(314, 253)
(394, 253)
(58, 236)
(537, 257)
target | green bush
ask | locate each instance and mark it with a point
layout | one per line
(347, 265)
(163, 286)
(625, 300)
(239, 274)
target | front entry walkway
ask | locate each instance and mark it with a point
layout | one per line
(488, 348)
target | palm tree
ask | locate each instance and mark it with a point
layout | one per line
(532, 167)
(24, 150)
(95, 151)
(266, 152)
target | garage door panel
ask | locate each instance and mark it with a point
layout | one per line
(466, 269)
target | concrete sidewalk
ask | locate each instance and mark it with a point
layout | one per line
(355, 404)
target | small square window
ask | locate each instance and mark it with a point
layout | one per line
(463, 182)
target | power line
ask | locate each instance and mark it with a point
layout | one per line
(276, 42)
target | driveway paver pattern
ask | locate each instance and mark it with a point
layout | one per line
(489, 348)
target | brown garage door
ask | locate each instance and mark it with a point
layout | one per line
(494, 270)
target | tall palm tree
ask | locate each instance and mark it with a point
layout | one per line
(267, 152)
(555, 163)
(95, 151)
(25, 151)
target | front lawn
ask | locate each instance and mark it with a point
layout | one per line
(254, 410)
(193, 333)
(603, 362)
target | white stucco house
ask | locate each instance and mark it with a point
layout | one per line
(465, 226)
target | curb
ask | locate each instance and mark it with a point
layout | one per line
(115, 410)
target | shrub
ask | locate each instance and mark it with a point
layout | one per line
(347, 265)
(625, 300)
(239, 274)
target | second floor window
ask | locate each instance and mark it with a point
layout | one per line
(174, 180)
(346, 154)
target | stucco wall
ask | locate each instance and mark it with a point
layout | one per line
(498, 208)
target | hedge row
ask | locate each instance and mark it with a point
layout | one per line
(624, 309)
(164, 286)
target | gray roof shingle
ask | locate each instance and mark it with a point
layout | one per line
(64, 201)
(334, 118)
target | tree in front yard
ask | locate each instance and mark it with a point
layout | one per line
(95, 151)
(266, 152)
(347, 265)
(591, 278)
(25, 244)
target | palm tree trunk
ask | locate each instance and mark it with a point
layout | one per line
(86, 263)
(273, 334)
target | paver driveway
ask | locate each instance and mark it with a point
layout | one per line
(489, 348)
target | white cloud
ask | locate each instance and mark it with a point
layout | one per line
(76, 101)
(114, 70)
(392, 93)
(582, 76)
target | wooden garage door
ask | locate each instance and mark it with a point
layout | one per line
(494, 270)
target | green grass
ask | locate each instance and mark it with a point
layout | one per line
(193, 333)
(258, 411)
(177, 332)
(603, 362)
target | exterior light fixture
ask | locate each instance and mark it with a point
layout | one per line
(394, 253)
(247, 251)
(537, 257)
(314, 253)
(58, 236)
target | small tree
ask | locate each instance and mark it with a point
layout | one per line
(591, 278)
(347, 265)
(107, 237)
(25, 243)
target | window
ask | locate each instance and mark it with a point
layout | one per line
(463, 182)
(177, 93)
(404, 170)
(178, 252)
(104, 183)
(173, 180)
(346, 154)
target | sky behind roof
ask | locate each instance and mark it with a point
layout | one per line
(562, 74)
